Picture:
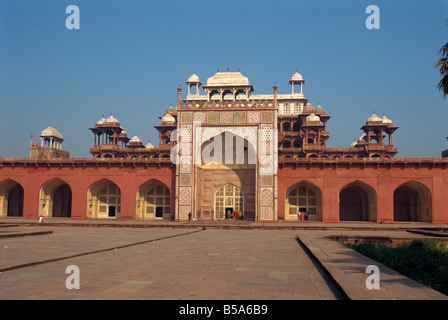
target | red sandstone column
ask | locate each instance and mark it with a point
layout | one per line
(30, 199)
(330, 201)
(79, 199)
(439, 192)
(385, 201)
(128, 191)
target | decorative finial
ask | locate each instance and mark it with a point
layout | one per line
(228, 69)
(218, 69)
(238, 69)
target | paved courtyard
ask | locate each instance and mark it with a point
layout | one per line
(157, 263)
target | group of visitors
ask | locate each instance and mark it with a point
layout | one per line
(234, 216)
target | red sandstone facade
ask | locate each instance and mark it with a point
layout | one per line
(128, 180)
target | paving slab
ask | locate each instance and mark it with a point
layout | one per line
(348, 269)
(201, 261)
(179, 264)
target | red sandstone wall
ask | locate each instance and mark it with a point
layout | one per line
(383, 180)
(79, 180)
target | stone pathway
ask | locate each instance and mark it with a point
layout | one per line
(161, 264)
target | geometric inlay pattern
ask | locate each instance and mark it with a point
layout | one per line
(266, 196)
(184, 195)
(253, 116)
(226, 117)
(213, 117)
(240, 116)
(267, 116)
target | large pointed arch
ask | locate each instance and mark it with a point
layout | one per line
(357, 202)
(232, 158)
(231, 148)
(103, 200)
(55, 199)
(153, 200)
(412, 202)
(11, 198)
(303, 196)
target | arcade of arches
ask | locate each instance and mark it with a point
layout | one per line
(412, 200)
(358, 202)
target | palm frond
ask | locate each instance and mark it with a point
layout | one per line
(443, 85)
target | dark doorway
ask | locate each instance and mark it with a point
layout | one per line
(111, 211)
(159, 212)
(229, 213)
(62, 201)
(357, 202)
(412, 202)
(15, 201)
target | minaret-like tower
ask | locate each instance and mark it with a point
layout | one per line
(50, 146)
(297, 79)
(107, 137)
(376, 130)
(193, 81)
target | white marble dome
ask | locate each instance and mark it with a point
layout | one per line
(111, 119)
(149, 145)
(193, 78)
(168, 118)
(135, 139)
(101, 121)
(296, 77)
(374, 117)
(386, 120)
(313, 117)
(51, 132)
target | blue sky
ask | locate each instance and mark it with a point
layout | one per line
(128, 58)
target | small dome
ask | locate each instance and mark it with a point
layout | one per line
(320, 109)
(296, 77)
(386, 120)
(101, 121)
(171, 109)
(361, 138)
(354, 143)
(149, 145)
(111, 119)
(309, 108)
(374, 117)
(168, 118)
(312, 117)
(51, 132)
(193, 78)
(123, 133)
(135, 139)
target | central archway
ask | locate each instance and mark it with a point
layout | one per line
(228, 158)
(228, 199)
(357, 202)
